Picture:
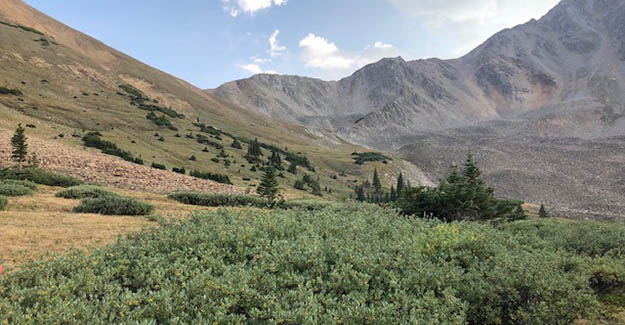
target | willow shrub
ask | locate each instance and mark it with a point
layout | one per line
(114, 205)
(238, 200)
(342, 264)
(14, 190)
(39, 176)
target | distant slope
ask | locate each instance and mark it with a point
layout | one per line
(70, 85)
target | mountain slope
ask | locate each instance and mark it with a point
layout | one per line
(557, 82)
(70, 84)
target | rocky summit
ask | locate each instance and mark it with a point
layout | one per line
(540, 105)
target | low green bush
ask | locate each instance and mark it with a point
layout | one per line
(14, 190)
(219, 178)
(31, 185)
(114, 205)
(233, 200)
(589, 238)
(343, 264)
(156, 165)
(4, 202)
(85, 191)
(15, 92)
(39, 176)
(219, 200)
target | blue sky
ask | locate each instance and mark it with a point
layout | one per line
(209, 42)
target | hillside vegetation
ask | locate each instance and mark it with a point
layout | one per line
(343, 264)
(72, 88)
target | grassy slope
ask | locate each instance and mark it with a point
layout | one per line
(76, 67)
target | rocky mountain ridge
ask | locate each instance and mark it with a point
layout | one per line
(557, 83)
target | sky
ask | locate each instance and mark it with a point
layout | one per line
(210, 42)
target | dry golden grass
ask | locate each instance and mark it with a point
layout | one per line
(42, 225)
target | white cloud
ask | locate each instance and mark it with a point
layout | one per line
(333, 63)
(234, 7)
(255, 69)
(318, 52)
(275, 49)
(251, 68)
(470, 22)
(380, 45)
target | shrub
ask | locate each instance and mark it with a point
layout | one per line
(219, 200)
(114, 205)
(14, 190)
(8, 91)
(40, 176)
(348, 264)
(159, 166)
(232, 200)
(179, 170)
(363, 157)
(85, 191)
(4, 202)
(29, 184)
(219, 178)
(93, 140)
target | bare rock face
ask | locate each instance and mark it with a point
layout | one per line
(541, 104)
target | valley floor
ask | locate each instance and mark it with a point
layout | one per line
(42, 225)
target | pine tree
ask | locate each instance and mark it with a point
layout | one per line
(377, 185)
(542, 213)
(518, 214)
(360, 194)
(268, 187)
(222, 154)
(471, 171)
(236, 144)
(393, 194)
(400, 184)
(275, 160)
(18, 141)
(292, 169)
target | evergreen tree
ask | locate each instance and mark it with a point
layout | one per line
(542, 213)
(518, 214)
(222, 154)
(393, 194)
(400, 184)
(268, 186)
(236, 144)
(360, 194)
(18, 141)
(292, 169)
(377, 185)
(275, 160)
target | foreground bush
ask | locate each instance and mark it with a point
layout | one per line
(350, 265)
(114, 205)
(85, 191)
(39, 176)
(14, 190)
(4, 202)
